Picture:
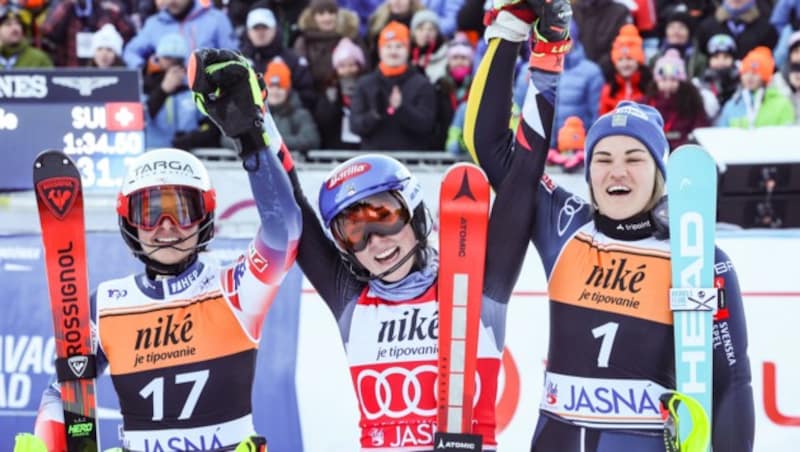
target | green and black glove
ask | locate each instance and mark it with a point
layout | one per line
(231, 94)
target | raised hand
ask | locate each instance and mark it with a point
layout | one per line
(231, 94)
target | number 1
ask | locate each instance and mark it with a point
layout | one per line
(607, 332)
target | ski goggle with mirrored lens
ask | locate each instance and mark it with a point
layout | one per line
(383, 214)
(184, 206)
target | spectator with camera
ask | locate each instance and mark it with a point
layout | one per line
(172, 117)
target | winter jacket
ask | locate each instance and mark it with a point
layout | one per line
(599, 22)
(749, 30)
(363, 9)
(455, 134)
(722, 83)
(578, 90)
(302, 82)
(774, 110)
(677, 127)
(168, 116)
(332, 115)
(295, 124)
(202, 27)
(630, 89)
(23, 55)
(431, 60)
(381, 128)
(317, 46)
(287, 14)
(785, 12)
(447, 10)
(65, 20)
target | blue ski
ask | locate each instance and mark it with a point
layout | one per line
(692, 190)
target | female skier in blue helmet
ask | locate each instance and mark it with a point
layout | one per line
(371, 263)
(607, 262)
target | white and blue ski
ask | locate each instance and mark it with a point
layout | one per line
(692, 190)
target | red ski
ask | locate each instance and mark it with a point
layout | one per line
(463, 224)
(60, 202)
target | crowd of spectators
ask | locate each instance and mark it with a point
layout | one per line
(396, 74)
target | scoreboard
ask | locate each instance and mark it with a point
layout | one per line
(93, 115)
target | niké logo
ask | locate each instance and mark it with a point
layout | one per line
(617, 276)
(412, 325)
(168, 331)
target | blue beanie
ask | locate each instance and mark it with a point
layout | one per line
(635, 120)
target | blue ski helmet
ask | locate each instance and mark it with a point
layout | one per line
(364, 176)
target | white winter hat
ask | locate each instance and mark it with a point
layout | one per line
(261, 16)
(107, 36)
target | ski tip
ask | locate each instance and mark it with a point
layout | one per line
(51, 157)
(686, 150)
(471, 169)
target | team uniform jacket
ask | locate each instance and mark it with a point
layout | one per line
(390, 330)
(611, 349)
(181, 350)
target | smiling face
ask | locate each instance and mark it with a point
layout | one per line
(382, 252)
(622, 176)
(167, 233)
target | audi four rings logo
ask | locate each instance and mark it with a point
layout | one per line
(410, 386)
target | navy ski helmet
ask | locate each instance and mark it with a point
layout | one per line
(367, 175)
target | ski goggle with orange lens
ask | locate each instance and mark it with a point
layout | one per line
(147, 208)
(383, 214)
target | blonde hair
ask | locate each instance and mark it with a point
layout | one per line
(381, 16)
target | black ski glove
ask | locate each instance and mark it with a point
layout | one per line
(231, 94)
(554, 17)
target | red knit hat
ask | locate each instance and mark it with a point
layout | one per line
(572, 135)
(394, 31)
(759, 61)
(628, 44)
(278, 73)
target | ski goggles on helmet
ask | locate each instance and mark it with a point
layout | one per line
(383, 214)
(147, 208)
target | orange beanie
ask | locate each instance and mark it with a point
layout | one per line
(572, 135)
(759, 61)
(278, 73)
(628, 44)
(394, 31)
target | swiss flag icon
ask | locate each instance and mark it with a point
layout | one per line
(124, 116)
